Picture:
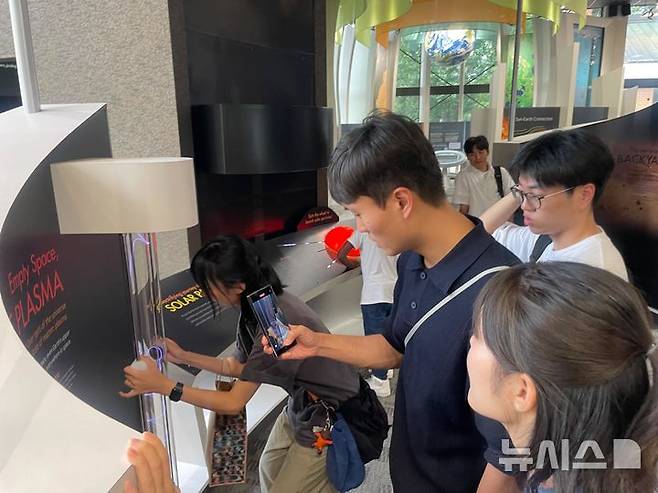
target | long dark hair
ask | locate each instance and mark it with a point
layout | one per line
(584, 336)
(230, 260)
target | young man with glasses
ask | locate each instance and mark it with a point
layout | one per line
(560, 177)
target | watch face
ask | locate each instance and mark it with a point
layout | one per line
(176, 392)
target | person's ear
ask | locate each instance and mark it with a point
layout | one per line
(524, 393)
(586, 194)
(240, 287)
(403, 200)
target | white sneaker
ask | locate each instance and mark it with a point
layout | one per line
(381, 387)
(389, 374)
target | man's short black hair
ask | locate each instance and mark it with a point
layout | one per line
(387, 151)
(479, 142)
(568, 158)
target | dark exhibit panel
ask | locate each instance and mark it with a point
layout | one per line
(531, 120)
(253, 205)
(10, 93)
(191, 321)
(260, 139)
(587, 114)
(257, 91)
(67, 295)
(628, 209)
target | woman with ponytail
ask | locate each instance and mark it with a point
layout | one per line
(228, 269)
(563, 356)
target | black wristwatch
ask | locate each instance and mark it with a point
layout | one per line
(176, 393)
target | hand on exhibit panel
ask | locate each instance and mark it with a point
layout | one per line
(145, 378)
(175, 353)
(149, 458)
(306, 347)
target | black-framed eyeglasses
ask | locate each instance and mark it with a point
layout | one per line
(534, 201)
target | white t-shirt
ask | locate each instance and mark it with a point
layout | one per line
(378, 269)
(596, 250)
(478, 189)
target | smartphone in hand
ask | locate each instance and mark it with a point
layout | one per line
(271, 320)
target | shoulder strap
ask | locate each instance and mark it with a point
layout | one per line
(451, 296)
(499, 180)
(540, 245)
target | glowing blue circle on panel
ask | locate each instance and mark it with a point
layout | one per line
(449, 47)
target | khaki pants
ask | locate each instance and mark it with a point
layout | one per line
(287, 467)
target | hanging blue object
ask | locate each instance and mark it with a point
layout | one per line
(450, 47)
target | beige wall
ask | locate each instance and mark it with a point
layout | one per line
(117, 52)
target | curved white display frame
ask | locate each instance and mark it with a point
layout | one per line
(51, 440)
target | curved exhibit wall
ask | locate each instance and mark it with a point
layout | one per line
(628, 209)
(66, 327)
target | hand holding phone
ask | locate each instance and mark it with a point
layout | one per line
(271, 320)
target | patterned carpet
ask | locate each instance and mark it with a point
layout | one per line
(377, 476)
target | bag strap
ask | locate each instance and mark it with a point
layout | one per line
(540, 245)
(499, 181)
(449, 297)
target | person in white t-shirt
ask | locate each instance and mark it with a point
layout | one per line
(561, 175)
(479, 185)
(379, 273)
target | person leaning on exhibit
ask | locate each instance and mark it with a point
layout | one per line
(228, 268)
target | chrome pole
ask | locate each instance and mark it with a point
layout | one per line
(27, 73)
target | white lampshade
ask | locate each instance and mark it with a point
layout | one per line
(145, 195)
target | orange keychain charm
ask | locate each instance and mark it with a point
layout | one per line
(321, 442)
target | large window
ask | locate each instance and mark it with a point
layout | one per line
(641, 55)
(407, 101)
(445, 79)
(526, 79)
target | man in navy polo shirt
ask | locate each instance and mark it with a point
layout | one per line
(386, 173)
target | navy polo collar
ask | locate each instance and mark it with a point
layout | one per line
(450, 268)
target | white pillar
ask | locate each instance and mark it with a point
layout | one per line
(362, 80)
(27, 73)
(569, 94)
(564, 63)
(542, 51)
(336, 78)
(344, 72)
(607, 91)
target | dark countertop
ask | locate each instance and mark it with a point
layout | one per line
(306, 270)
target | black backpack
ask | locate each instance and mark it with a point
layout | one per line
(367, 420)
(499, 180)
(540, 245)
